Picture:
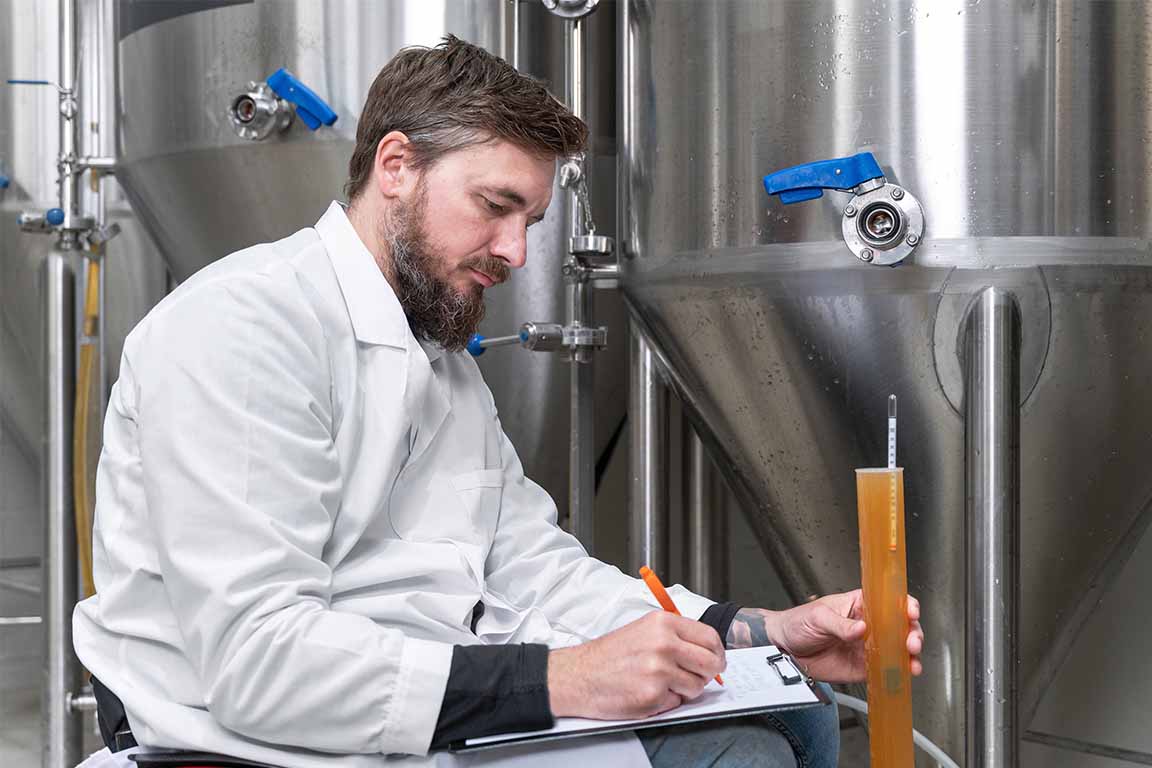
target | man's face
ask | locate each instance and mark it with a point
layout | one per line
(462, 229)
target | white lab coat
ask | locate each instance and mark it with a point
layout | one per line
(298, 506)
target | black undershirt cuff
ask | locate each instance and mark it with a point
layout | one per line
(504, 688)
(719, 616)
(494, 689)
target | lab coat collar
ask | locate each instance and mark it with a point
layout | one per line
(431, 349)
(377, 317)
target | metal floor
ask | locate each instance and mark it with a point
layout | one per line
(20, 736)
(21, 659)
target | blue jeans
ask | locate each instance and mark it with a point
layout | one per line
(805, 738)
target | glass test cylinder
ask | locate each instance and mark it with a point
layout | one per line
(880, 502)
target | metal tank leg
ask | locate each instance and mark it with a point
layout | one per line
(648, 458)
(705, 519)
(992, 473)
(61, 726)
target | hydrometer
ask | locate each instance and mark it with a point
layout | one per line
(880, 504)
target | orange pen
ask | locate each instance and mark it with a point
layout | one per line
(653, 582)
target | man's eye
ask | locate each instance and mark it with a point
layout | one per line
(494, 207)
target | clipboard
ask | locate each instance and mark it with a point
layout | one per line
(757, 680)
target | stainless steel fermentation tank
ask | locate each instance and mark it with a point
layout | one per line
(205, 191)
(1022, 129)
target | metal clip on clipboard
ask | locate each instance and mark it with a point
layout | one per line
(785, 667)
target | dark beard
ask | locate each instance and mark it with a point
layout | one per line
(436, 311)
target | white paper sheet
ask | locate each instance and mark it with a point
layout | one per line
(606, 750)
(750, 683)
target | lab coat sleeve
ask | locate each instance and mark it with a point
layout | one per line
(536, 565)
(242, 482)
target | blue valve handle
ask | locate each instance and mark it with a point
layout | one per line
(312, 109)
(809, 180)
(474, 347)
(31, 82)
(54, 216)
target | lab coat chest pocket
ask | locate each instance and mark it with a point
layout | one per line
(480, 492)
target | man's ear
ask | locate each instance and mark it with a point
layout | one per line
(391, 168)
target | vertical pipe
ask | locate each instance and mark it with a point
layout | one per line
(61, 727)
(992, 472)
(67, 159)
(648, 434)
(647, 398)
(625, 127)
(510, 31)
(581, 445)
(98, 114)
(574, 90)
(705, 518)
(574, 70)
(516, 34)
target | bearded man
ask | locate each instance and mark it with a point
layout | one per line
(316, 548)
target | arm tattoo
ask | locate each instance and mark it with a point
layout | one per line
(749, 629)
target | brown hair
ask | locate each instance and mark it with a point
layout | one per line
(453, 96)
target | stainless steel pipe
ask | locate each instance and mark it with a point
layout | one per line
(648, 459)
(512, 32)
(61, 727)
(582, 434)
(647, 395)
(992, 472)
(581, 440)
(575, 96)
(66, 163)
(705, 518)
(62, 675)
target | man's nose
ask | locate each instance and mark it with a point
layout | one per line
(511, 242)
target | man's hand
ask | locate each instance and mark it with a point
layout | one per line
(649, 666)
(826, 636)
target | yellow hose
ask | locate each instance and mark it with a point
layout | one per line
(82, 496)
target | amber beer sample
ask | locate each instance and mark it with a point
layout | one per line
(880, 501)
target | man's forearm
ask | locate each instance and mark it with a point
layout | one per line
(752, 627)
